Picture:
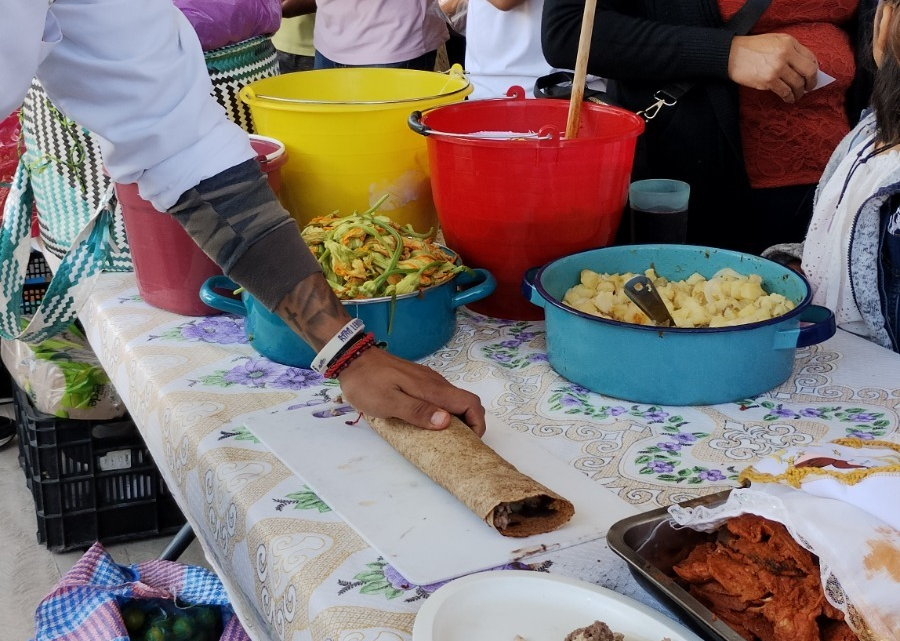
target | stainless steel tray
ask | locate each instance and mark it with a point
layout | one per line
(651, 546)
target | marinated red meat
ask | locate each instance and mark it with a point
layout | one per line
(763, 584)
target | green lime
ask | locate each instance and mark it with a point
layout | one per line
(182, 628)
(206, 616)
(134, 619)
(155, 633)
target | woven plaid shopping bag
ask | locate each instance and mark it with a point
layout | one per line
(79, 217)
(85, 604)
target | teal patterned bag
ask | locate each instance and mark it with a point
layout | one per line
(79, 218)
(90, 254)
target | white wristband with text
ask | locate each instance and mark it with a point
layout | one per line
(347, 334)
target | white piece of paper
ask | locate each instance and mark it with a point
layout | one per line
(822, 80)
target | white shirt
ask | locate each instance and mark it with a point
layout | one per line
(133, 73)
(360, 32)
(503, 48)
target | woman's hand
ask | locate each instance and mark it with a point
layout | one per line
(385, 386)
(773, 62)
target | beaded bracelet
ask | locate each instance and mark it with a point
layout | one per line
(329, 354)
(350, 355)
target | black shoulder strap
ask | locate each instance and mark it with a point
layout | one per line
(740, 24)
(748, 15)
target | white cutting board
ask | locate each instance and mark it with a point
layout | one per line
(416, 525)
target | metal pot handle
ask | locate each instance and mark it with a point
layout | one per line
(215, 300)
(821, 328)
(529, 289)
(483, 285)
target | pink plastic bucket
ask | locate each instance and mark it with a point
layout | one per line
(168, 265)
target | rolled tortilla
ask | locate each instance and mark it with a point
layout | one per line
(460, 462)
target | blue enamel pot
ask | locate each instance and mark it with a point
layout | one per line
(671, 365)
(412, 325)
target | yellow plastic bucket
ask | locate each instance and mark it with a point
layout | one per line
(347, 139)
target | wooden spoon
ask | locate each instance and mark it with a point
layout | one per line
(584, 48)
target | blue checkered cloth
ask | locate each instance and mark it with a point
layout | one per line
(84, 605)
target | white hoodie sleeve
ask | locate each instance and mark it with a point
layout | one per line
(133, 73)
(28, 32)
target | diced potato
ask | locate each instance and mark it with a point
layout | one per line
(604, 301)
(726, 299)
(590, 278)
(585, 306)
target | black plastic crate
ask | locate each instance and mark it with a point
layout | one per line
(5, 384)
(91, 480)
(37, 280)
(38, 271)
(32, 295)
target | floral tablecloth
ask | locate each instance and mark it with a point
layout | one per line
(295, 571)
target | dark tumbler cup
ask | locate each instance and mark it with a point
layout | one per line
(659, 211)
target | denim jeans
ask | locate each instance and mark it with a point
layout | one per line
(291, 62)
(425, 62)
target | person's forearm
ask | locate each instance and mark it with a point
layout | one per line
(237, 221)
(294, 8)
(312, 310)
(627, 47)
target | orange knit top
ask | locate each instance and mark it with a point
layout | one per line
(789, 144)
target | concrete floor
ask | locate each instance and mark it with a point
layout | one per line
(28, 571)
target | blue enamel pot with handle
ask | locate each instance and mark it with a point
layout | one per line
(412, 325)
(671, 365)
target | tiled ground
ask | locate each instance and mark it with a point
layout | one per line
(27, 569)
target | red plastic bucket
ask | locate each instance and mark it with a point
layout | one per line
(271, 157)
(168, 265)
(517, 201)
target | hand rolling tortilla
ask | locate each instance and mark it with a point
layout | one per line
(457, 460)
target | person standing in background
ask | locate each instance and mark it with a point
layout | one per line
(455, 13)
(294, 39)
(851, 254)
(503, 47)
(754, 132)
(379, 33)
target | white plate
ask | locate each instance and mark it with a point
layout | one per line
(497, 606)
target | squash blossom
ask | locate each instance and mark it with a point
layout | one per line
(370, 256)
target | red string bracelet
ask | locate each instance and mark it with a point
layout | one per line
(350, 355)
